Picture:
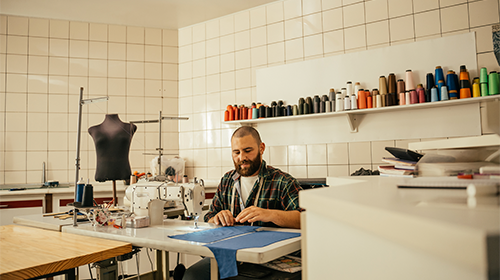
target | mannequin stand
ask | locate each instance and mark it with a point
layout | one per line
(114, 193)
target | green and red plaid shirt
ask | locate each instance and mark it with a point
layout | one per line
(279, 191)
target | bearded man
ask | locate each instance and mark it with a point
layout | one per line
(253, 193)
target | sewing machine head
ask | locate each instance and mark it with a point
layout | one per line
(142, 193)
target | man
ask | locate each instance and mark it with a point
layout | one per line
(253, 193)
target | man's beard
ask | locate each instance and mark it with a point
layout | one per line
(248, 171)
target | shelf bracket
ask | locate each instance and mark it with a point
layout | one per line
(351, 119)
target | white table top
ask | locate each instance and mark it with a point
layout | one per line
(439, 222)
(156, 237)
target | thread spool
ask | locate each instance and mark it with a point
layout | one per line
(413, 97)
(464, 78)
(322, 106)
(255, 113)
(301, 106)
(376, 98)
(236, 114)
(226, 115)
(410, 85)
(451, 77)
(262, 112)
(88, 196)
(421, 93)
(388, 100)
(245, 113)
(269, 112)
(331, 97)
(250, 113)
(339, 102)
(305, 108)
(361, 99)
(483, 75)
(309, 103)
(295, 110)
(484, 89)
(464, 89)
(434, 94)
(382, 85)
(476, 88)
(444, 93)
(378, 101)
(348, 89)
(289, 110)
(328, 106)
(407, 98)
(316, 105)
(347, 103)
(493, 82)
(401, 92)
(354, 102)
(392, 88)
(357, 86)
(369, 99)
(439, 78)
(79, 190)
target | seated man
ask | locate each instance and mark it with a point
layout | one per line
(253, 193)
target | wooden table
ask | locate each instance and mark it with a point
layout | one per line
(27, 252)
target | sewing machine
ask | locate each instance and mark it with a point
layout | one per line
(148, 198)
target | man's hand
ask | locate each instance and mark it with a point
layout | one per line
(224, 218)
(255, 214)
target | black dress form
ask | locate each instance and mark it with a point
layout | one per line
(112, 143)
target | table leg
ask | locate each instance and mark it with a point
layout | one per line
(162, 270)
(214, 275)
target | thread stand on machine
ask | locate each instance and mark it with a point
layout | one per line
(159, 177)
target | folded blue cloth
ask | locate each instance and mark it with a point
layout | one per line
(225, 251)
(216, 234)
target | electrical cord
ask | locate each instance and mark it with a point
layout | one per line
(90, 271)
(150, 261)
(137, 262)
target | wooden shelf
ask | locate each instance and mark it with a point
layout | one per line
(350, 115)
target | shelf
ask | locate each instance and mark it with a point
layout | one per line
(351, 114)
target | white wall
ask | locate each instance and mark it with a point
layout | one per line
(44, 62)
(218, 60)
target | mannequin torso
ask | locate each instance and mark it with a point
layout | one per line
(112, 140)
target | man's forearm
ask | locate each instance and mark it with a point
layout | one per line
(286, 219)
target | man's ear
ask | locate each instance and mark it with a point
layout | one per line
(262, 148)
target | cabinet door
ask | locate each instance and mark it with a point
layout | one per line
(11, 208)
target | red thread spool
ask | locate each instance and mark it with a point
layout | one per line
(226, 115)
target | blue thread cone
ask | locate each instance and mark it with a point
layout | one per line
(434, 94)
(444, 93)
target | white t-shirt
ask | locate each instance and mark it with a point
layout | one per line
(247, 184)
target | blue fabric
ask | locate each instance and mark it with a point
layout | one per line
(225, 251)
(216, 234)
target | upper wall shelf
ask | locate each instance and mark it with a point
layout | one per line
(351, 114)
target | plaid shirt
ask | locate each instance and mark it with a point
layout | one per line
(279, 191)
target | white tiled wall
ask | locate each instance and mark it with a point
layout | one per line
(44, 62)
(283, 32)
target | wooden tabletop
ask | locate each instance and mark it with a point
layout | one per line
(27, 252)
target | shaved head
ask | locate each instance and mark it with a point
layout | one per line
(247, 130)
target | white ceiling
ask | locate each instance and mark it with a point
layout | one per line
(168, 14)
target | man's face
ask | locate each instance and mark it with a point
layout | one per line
(247, 155)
